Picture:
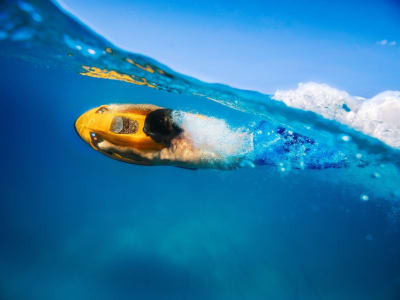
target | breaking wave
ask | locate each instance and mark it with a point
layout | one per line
(377, 117)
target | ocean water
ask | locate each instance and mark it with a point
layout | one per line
(75, 224)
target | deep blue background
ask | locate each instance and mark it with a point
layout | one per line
(77, 225)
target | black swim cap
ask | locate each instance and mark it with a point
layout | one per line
(160, 126)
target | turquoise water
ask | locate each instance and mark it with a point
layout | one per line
(76, 224)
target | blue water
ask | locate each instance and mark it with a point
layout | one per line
(75, 224)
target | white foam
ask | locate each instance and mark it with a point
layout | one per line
(213, 135)
(378, 116)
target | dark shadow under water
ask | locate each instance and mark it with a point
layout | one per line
(77, 225)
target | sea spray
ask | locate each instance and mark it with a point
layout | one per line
(376, 117)
(214, 135)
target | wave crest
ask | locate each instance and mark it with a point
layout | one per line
(377, 116)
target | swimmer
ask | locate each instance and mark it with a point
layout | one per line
(147, 135)
(150, 135)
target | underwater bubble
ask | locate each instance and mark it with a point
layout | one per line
(283, 167)
(364, 197)
(376, 175)
(247, 163)
(345, 138)
(358, 155)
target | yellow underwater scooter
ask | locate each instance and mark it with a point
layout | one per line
(138, 133)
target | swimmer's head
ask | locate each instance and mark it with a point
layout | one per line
(160, 126)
